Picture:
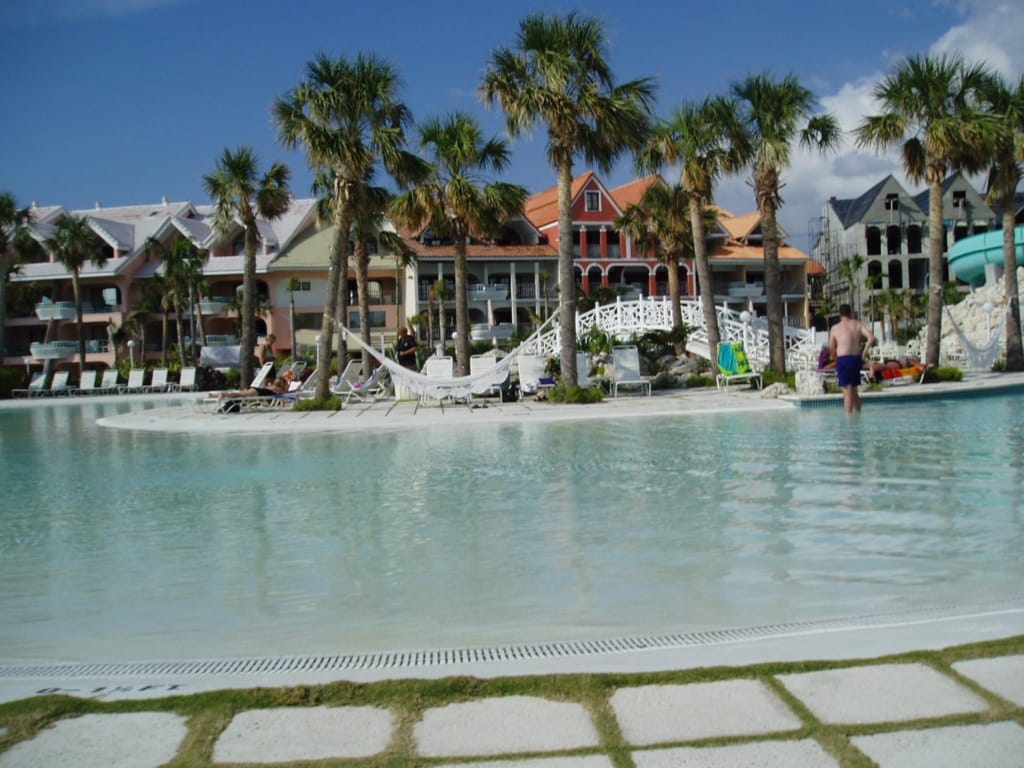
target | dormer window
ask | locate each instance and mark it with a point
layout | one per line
(959, 198)
(592, 201)
(892, 202)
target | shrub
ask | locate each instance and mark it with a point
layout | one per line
(328, 404)
(770, 376)
(575, 395)
(698, 380)
(943, 373)
(11, 379)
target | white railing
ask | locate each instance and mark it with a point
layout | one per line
(625, 319)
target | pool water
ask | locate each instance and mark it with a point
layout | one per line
(124, 546)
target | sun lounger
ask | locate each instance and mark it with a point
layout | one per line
(158, 382)
(626, 365)
(59, 386)
(480, 364)
(87, 384)
(35, 388)
(186, 381)
(136, 381)
(108, 384)
(533, 378)
(733, 366)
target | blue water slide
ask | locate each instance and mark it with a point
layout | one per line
(968, 257)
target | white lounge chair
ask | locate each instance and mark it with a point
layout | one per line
(108, 384)
(158, 382)
(532, 375)
(734, 367)
(481, 364)
(59, 385)
(186, 381)
(136, 381)
(438, 368)
(626, 362)
(366, 391)
(261, 376)
(583, 371)
(35, 387)
(87, 383)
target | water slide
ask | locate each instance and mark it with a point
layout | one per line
(969, 257)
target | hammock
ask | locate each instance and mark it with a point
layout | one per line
(459, 386)
(978, 358)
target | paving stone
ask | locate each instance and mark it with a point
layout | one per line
(591, 761)
(764, 754)
(288, 734)
(996, 745)
(131, 740)
(881, 693)
(1003, 675)
(503, 725)
(655, 714)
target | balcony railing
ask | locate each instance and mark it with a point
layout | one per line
(53, 350)
(493, 292)
(55, 310)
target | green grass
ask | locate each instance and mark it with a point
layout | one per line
(210, 713)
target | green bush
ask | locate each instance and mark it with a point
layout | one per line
(328, 404)
(700, 381)
(575, 395)
(770, 376)
(11, 379)
(943, 373)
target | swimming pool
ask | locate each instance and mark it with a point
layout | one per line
(121, 546)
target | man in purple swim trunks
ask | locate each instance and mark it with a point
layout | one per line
(844, 343)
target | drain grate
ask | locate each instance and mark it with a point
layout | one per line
(525, 652)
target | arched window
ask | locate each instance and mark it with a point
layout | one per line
(895, 274)
(874, 238)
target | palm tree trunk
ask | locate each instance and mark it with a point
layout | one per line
(363, 294)
(79, 322)
(566, 277)
(164, 322)
(935, 249)
(773, 287)
(461, 307)
(1014, 350)
(707, 286)
(3, 306)
(180, 327)
(248, 341)
(339, 246)
(673, 293)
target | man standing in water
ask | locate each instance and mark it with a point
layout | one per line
(844, 344)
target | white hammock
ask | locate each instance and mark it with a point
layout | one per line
(459, 386)
(978, 358)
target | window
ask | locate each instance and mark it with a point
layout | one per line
(959, 198)
(377, 319)
(304, 286)
(592, 201)
(892, 202)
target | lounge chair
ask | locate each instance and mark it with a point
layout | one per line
(261, 376)
(533, 377)
(35, 387)
(438, 368)
(626, 365)
(733, 366)
(481, 364)
(158, 382)
(364, 391)
(136, 381)
(583, 377)
(87, 383)
(186, 381)
(108, 384)
(59, 386)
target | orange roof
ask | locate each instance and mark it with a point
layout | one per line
(542, 208)
(742, 252)
(814, 268)
(740, 226)
(480, 251)
(633, 192)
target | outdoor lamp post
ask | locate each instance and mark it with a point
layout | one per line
(131, 353)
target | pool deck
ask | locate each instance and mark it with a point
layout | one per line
(908, 714)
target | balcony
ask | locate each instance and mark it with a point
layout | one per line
(493, 292)
(485, 332)
(744, 290)
(54, 350)
(55, 310)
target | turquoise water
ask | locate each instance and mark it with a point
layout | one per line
(119, 546)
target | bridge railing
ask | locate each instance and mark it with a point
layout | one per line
(625, 319)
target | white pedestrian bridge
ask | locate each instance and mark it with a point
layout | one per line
(626, 319)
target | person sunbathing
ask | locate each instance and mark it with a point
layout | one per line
(893, 368)
(278, 387)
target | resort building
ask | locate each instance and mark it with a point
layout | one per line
(130, 314)
(879, 240)
(608, 263)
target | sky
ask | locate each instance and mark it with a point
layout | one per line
(126, 102)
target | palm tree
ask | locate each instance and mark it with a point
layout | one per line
(558, 75)
(16, 243)
(294, 284)
(661, 220)
(705, 138)
(366, 227)
(1004, 176)
(348, 117)
(931, 110)
(849, 270)
(241, 194)
(439, 292)
(455, 203)
(775, 114)
(75, 244)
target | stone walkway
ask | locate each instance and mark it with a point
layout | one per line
(896, 711)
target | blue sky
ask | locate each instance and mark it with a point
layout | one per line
(129, 101)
